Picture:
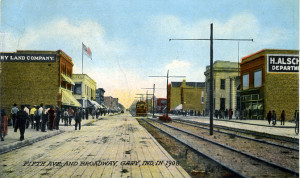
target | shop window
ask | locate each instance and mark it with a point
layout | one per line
(245, 81)
(222, 84)
(257, 78)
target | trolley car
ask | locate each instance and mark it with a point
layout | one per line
(141, 108)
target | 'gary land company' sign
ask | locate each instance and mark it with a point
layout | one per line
(283, 63)
(17, 57)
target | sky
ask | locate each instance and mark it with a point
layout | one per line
(129, 39)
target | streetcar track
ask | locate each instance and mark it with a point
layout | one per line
(253, 139)
(249, 156)
(275, 137)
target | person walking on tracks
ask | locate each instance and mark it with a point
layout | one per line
(274, 117)
(282, 117)
(269, 117)
(22, 116)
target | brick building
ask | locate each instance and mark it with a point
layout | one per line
(111, 103)
(190, 94)
(226, 86)
(34, 77)
(270, 81)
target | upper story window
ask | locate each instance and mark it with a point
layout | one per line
(257, 78)
(222, 86)
(77, 88)
(245, 81)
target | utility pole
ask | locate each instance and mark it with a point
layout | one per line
(153, 89)
(211, 39)
(167, 113)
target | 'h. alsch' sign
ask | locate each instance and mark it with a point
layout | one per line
(17, 57)
(283, 63)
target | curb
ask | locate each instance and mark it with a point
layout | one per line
(19, 144)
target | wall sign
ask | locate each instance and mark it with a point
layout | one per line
(17, 57)
(283, 63)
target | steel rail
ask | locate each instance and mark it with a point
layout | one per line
(197, 151)
(232, 149)
(291, 140)
(241, 136)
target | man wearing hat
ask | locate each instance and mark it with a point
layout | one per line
(14, 111)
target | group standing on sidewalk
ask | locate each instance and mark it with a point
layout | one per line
(39, 118)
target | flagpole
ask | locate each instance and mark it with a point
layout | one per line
(82, 57)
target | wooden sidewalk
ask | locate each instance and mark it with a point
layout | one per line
(113, 147)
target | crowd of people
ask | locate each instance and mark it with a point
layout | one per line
(43, 117)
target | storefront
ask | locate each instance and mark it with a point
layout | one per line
(270, 82)
(35, 77)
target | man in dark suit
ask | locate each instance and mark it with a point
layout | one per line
(21, 118)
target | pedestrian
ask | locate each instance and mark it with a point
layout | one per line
(40, 112)
(4, 124)
(77, 119)
(32, 111)
(71, 114)
(44, 119)
(37, 118)
(57, 118)
(226, 113)
(83, 113)
(269, 117)
(230, 113)
(14, 111)
(26, 109)
(93, 113)
(282, 117)
(66, 117)
(86, 114)
(22, 116)
(51, 113)
(274, 117)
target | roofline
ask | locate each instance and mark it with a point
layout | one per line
(263, 50)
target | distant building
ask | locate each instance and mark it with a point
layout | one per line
(270, 81)
(84, 89)
(191, 95)
(111, 103)
(34, 77)
(226, 86)
(100, 96)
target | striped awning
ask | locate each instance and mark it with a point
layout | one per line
(67, 79)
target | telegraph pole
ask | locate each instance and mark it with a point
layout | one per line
(153, 89)
(167, 87)
(211, 39)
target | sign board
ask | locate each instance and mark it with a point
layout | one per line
(18, 57)
(283, 63)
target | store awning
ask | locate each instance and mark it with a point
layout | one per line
(68, 99)
(179, 107)
(96, 105)
(67, 79)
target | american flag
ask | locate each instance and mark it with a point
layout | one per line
(87, 50)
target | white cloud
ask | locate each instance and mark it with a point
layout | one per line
(177, 64)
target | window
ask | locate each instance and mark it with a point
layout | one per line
(77, 88)
(245, 81)
(222, 84)
(257, 78)
(202, 97)
(222, 104)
